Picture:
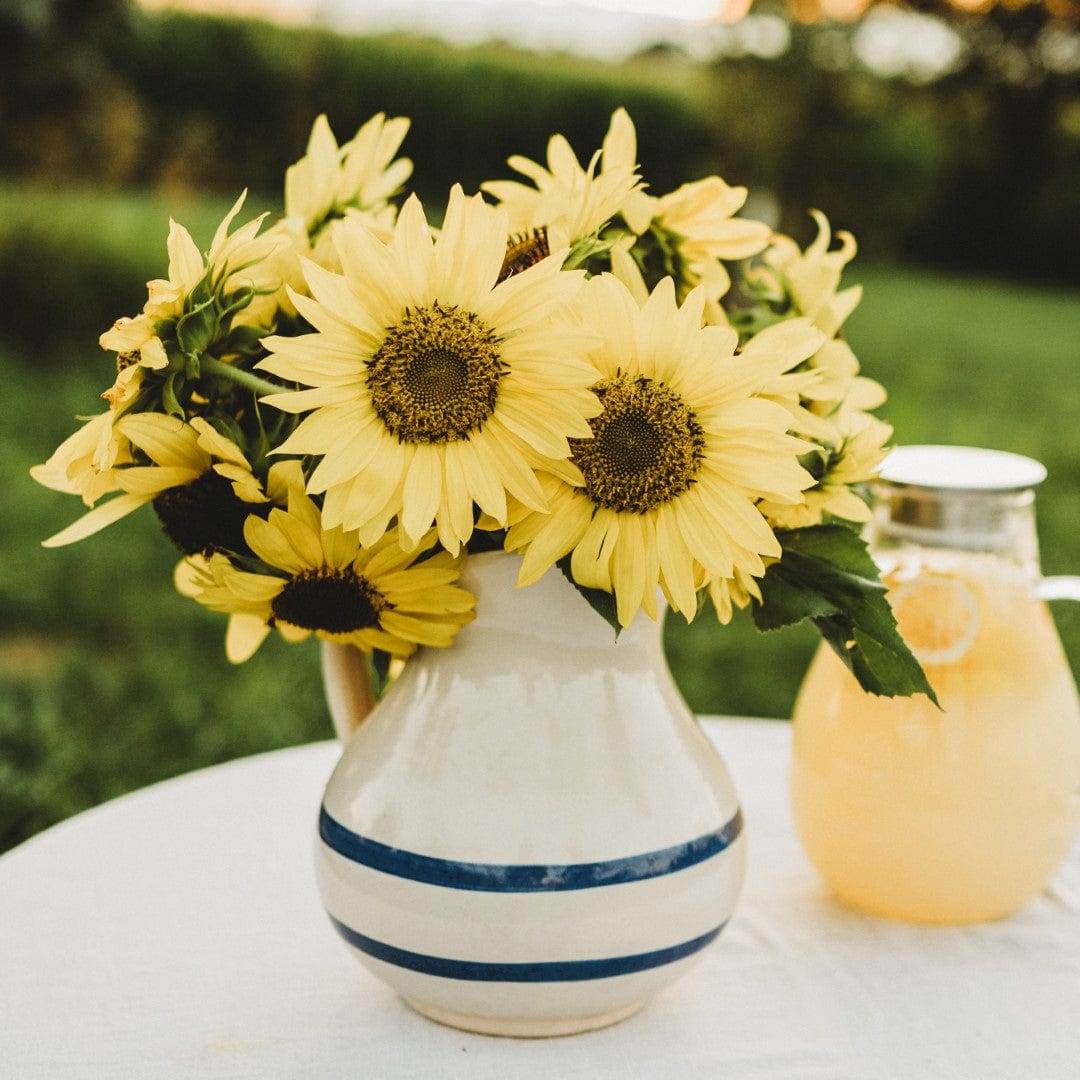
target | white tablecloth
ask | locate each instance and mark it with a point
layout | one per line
(176, 932)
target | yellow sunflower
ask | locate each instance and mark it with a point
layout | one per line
(810, 280)
(320, 581)
(433, 386)
(567, 202)
(855, 460)
(331, 182)
(200, 484)
(361, 176)
(237, 259)
(698, 221)
(84, 463)
(665, 490)
(701, 219)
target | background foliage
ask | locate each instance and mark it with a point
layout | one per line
(976, 169)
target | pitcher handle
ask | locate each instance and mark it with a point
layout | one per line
(1063, 587)
(347, 684)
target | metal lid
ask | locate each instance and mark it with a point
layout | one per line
(961, 469)
(958, 497)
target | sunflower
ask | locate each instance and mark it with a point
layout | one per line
(361, 176)
(854, 460)
(568, 202)
(199, 482)
(432, 385)
(700, 221)
(239, 260)
(331, 182)
(321, 581)
(665, 490)
(689, 233)
(809, 281)
(83, 464)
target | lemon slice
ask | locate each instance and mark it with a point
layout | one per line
(938, 617)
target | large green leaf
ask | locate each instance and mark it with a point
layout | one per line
(826, 574)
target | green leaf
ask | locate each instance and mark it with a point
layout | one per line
(826, 574)
(786, 601)
(603, 603)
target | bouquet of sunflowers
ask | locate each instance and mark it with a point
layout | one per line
(330, 412)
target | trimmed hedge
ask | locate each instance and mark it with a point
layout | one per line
(235, 108)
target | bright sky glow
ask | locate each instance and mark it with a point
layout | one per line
(301, 10)
(888, 41)
(673, 9)
(609, 29)
(893, 42)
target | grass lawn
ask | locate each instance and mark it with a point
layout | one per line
(110, 681)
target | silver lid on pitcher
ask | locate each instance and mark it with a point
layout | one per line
(956, 496)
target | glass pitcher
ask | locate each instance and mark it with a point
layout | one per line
(962, 814)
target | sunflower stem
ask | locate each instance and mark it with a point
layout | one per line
(211, 365)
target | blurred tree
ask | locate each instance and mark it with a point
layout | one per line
(57, 97)
(1000, 189)
(1012, 191)
(808, 11)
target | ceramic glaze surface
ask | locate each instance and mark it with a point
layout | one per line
(530, 835)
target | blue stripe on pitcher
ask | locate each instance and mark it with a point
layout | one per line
(529, 972)
(523, 877)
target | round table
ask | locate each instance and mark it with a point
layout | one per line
(176, 932)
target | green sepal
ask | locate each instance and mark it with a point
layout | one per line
(233, 303)
(228, 426)
(196, 330)
(586, 250)
(603, 603)
(826, 575)
(378, 663)
(657, 255)
(244, 339)
(169, 399)
(202, 293)
(816, 463)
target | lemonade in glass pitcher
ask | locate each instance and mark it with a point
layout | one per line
(963, 813)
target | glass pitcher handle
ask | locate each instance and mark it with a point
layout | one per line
(1064, 587)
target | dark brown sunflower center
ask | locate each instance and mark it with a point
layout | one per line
(206, 516)
(334, 601)
(435, 378)
(524, 250)
(646, 449)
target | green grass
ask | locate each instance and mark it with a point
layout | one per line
(71, 262)
(110, 681)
